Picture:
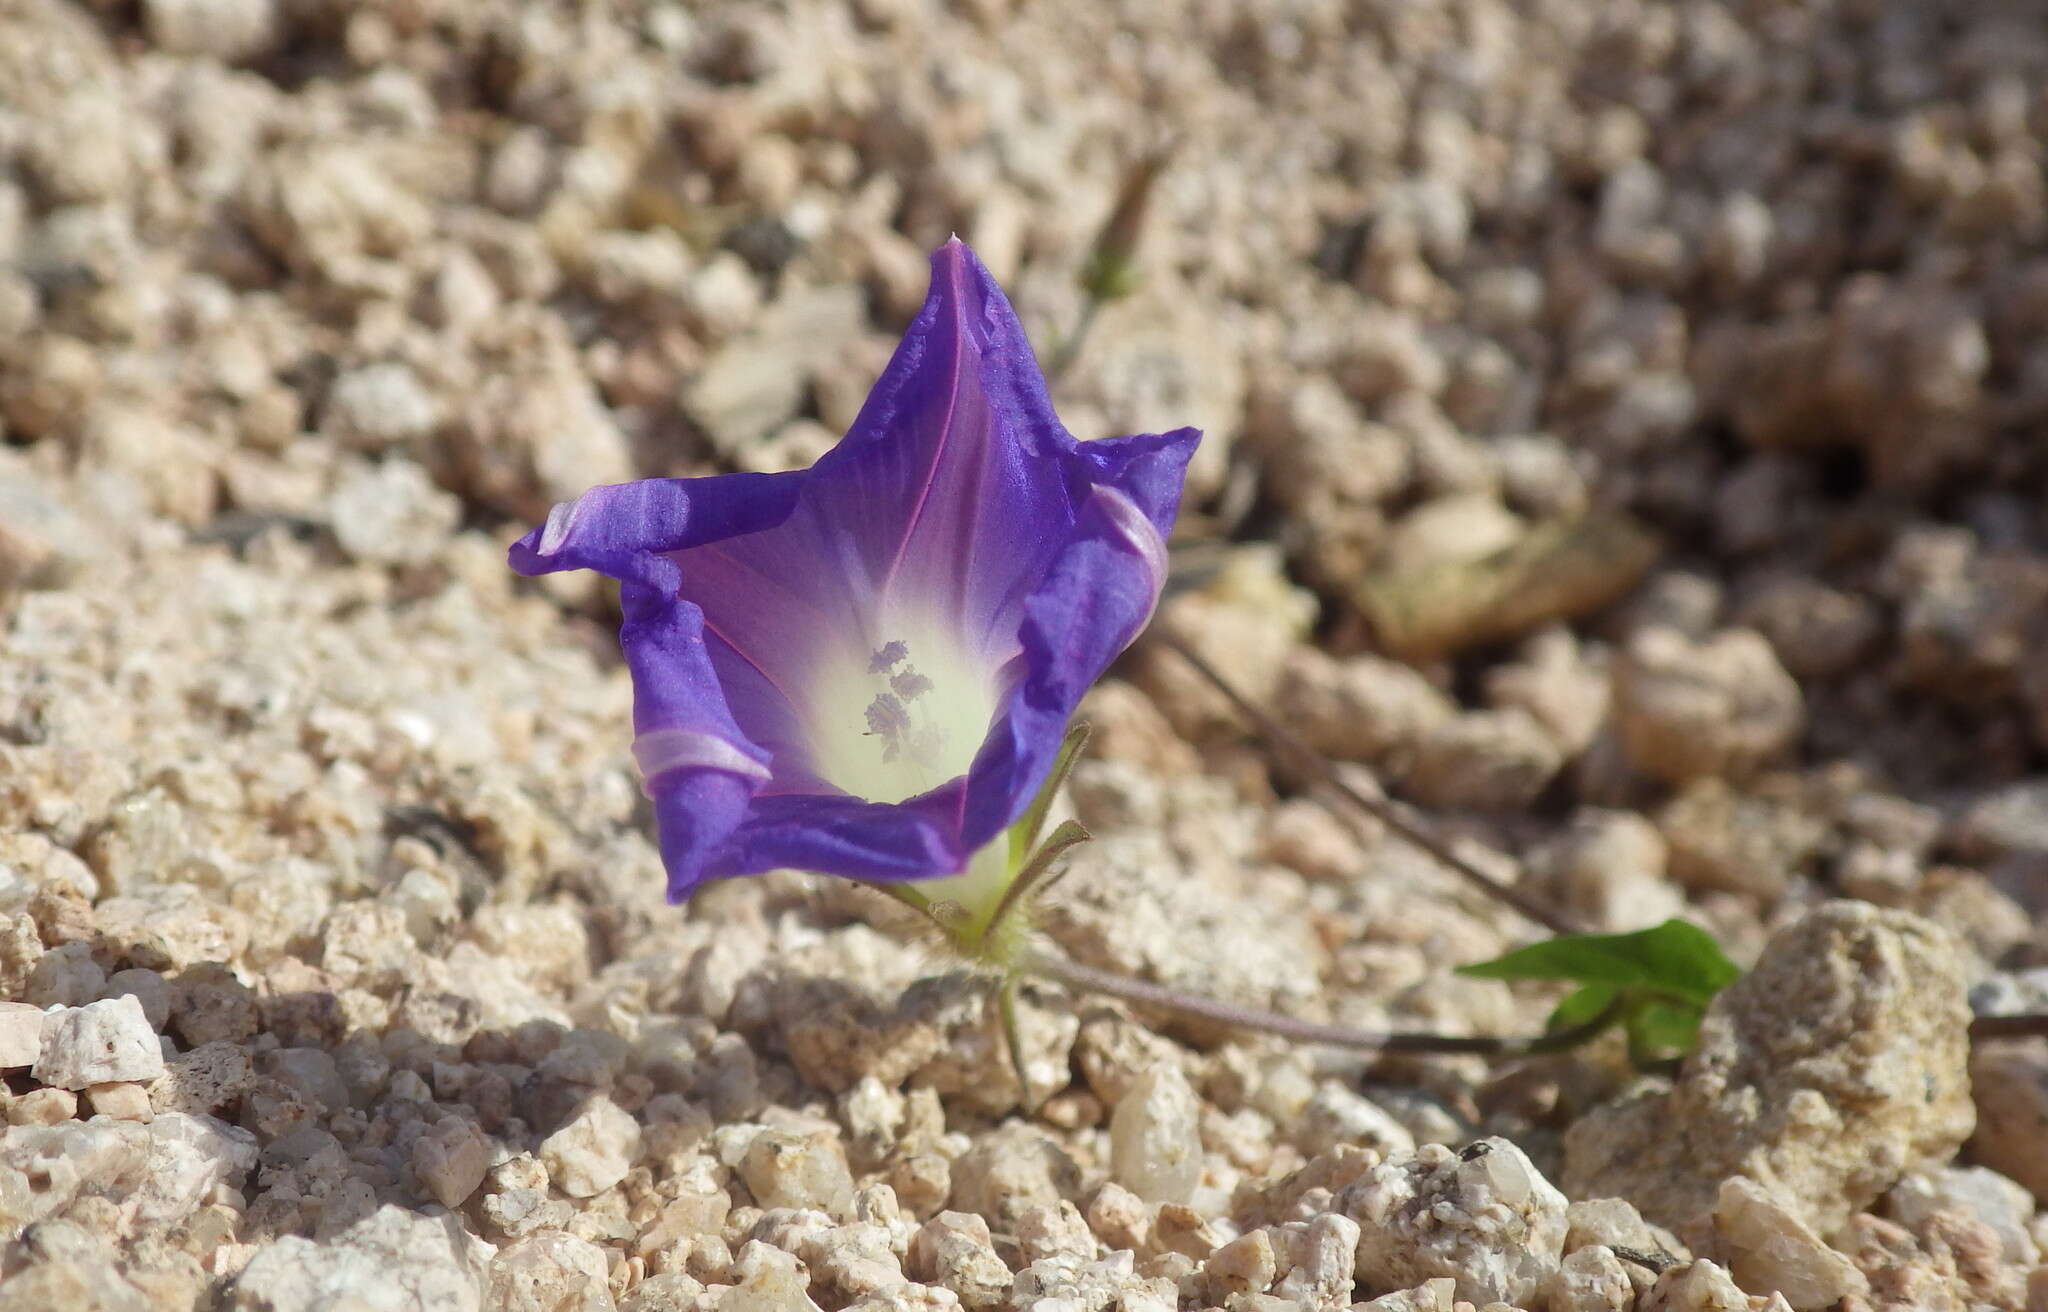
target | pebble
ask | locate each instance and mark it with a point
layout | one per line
(1484, 761)
(953, 1250)
(228, 30)
(769, 1280)
(124, 1101)
(42, 1107)
(2010, 1084)
(552, 1270)
(1773, 1251)
(1608, 867)
(803, 1171)
(1591, 1279)
(21, 1034)
(1998, 1201)
(1155, 1143)
(1058, 1284)
(755, 383)
(404, 1261)
(1012, 1169)
(1698, 1286)
(1338, 1116)
(1483, 1217)
(1718, 708)
(593, 1151)
(1362, 708)
(99, 1043)
(450, 1160)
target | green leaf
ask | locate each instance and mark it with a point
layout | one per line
(1580, 1006)
(1661, 1029)
(1675, 960)
(1654, 983)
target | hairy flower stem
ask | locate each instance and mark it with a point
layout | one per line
(1312, 763)
(1087, 978)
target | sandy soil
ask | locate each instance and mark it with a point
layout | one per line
(1624, 447)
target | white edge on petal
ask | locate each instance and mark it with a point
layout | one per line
(1142, 536)
(673, 749)
(561, 521)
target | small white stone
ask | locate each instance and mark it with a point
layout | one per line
(1439, 1295)
(1317, 1259)
(1155, 1141)
(790, 1170)
(593, 1151)
(21, 1034)
(450, 1160)
(550, 1269)
(379, 405)
(225, 29)
(1976, 1191)
(1591, 1280)
(123, 1100)
(1775, 1251)
(189, 1157)
(42, 1107)
(99, 1043)
(1338, 1116)
(1063, 1284)
(770, 1280)
(954, 1250)
(391, 1259)
(1484, 1217)
(149, 988)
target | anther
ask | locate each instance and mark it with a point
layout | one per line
(909, 684)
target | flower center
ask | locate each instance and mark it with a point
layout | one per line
(897, 716)
(900, 719)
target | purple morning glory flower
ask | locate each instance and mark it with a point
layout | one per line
(865, 668)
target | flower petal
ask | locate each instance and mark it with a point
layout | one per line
(959, 441)
(623, 529)
(695, 814)
(1093, 602)
(699, 768)
(914, 839)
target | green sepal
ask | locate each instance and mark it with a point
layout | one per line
(1024, 833)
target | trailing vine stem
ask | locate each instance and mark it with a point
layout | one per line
(1313, 763)
(1074, 975)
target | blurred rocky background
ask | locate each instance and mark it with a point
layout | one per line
(1624, 444)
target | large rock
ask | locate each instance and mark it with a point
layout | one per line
(1833, 1068)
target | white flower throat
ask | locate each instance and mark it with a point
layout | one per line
(901, 718)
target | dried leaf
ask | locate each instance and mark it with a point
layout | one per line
(1557, 570)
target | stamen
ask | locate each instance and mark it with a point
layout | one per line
(921, 715)
(888, 720)
(909, 684)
